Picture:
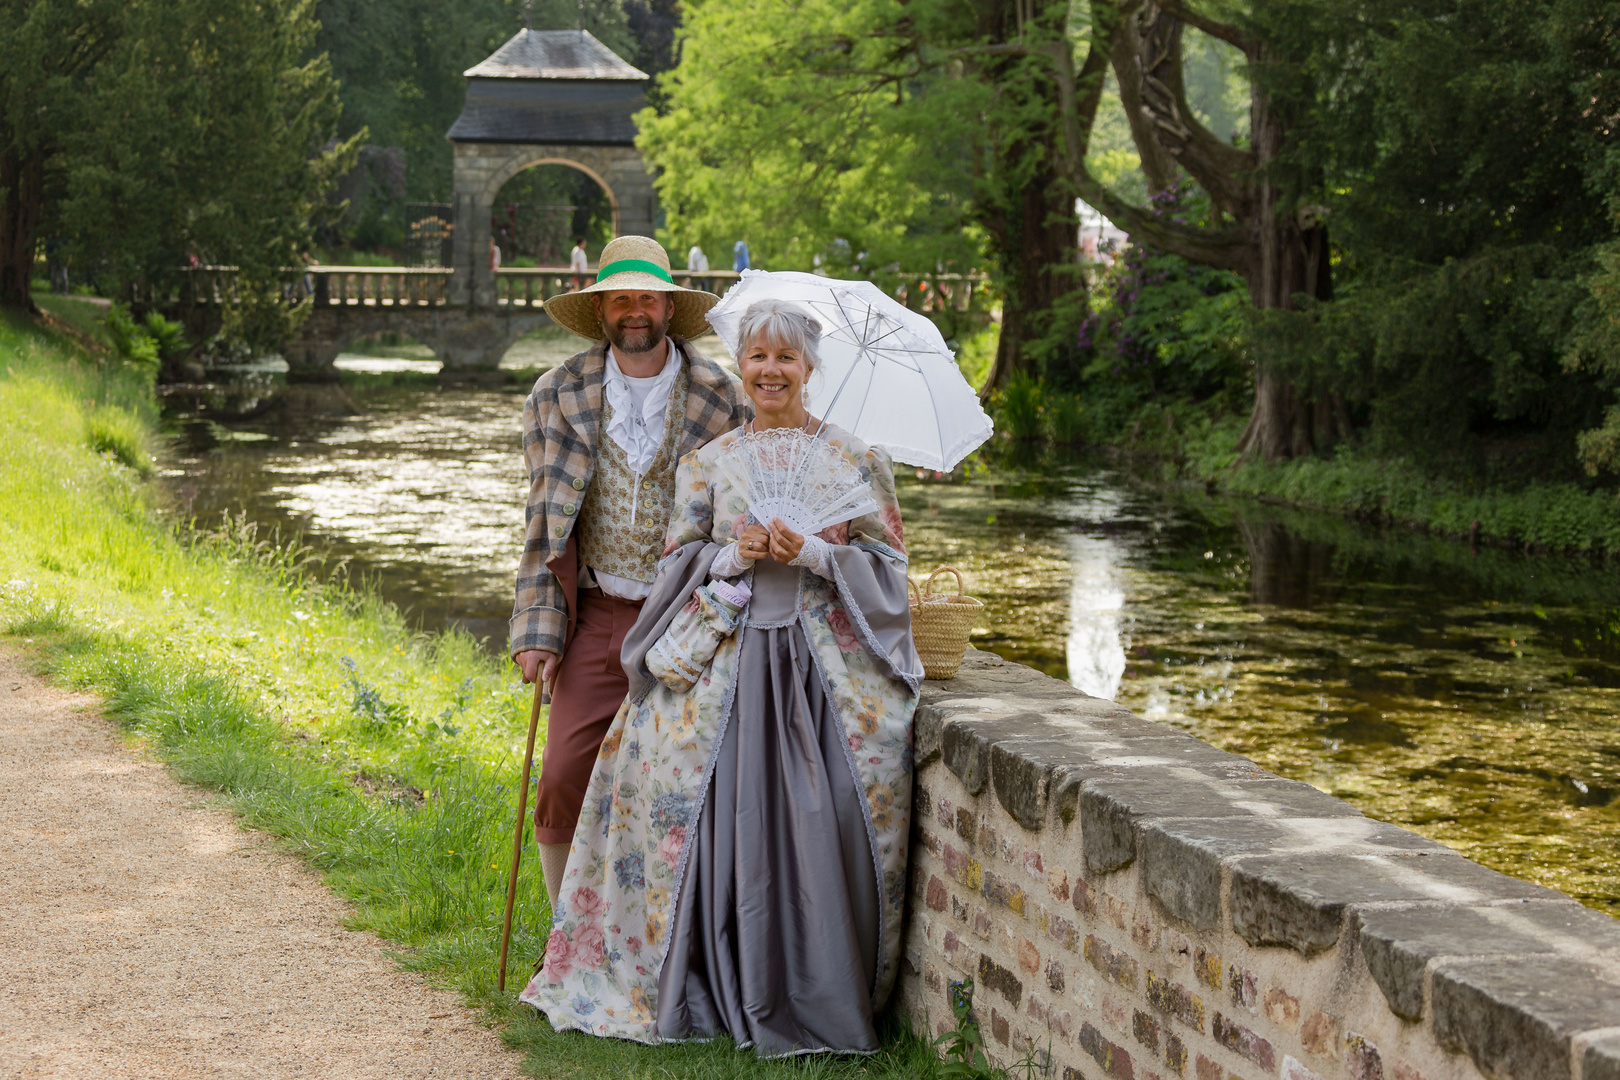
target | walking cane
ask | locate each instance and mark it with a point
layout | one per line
(540, 698)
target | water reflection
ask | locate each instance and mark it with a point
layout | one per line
(1096, 647)
(1473, 698)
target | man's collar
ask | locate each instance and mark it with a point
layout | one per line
(672, 360)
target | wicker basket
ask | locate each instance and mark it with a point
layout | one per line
(940, 624)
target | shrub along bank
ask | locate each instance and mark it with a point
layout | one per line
(386, 758)
(1180, 439)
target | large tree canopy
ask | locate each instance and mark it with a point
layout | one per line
(1457, 150)
(1466, 149)
(134, 137)
(879, 137)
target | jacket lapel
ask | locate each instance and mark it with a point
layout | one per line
(709, 408)
(579, 398)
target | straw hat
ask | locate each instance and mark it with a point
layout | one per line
(638, 264)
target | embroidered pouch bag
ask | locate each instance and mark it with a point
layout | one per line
(678, 658)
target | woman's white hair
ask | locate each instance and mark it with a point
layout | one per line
(783, 325)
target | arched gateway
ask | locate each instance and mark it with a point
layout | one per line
(545, 97)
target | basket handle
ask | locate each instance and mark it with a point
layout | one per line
(928, 586)
(916, 597)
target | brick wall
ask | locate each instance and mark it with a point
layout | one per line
(1133, 904)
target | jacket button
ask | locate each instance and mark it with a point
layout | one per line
(579, 483)
(558, 531)
(568, 508)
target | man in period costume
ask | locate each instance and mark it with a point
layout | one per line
(602, 434)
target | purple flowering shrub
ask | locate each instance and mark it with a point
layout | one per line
(1163, 327)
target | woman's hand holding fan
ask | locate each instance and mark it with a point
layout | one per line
(785, 543)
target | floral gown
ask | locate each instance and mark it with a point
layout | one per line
(834, 683)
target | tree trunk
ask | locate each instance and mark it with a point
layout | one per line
(1280, 249)
(1293, 260)
(1039, 242)
(1285, 569)
(22, 182)
(1126, 58)
(1030, 212)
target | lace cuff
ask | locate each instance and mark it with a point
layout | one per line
(727, 564)
(816, 555)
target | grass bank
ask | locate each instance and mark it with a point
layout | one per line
(385, 758)
(1185, 441)
(1539, 515)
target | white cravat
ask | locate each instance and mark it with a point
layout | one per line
(640, 407)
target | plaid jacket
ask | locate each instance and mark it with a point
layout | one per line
(562, 420)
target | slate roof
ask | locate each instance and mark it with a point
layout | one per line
(555, 54)
(551, 86)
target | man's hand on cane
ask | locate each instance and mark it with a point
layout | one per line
(541, 664)
(538, 663)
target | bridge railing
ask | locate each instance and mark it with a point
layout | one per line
(531, 286)
(515, 287)
(372, 286)
(324, 286)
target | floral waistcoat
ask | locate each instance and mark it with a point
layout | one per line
(622, 521)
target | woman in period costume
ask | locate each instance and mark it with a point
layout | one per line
(739, 867)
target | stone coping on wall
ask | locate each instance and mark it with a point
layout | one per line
(1202, 846)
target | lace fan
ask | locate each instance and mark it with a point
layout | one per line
(791, 474)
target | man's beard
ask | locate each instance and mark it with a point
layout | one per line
(636, 339)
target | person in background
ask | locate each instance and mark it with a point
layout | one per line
(696, 261)
(58, 266)
(602, 433)
(309, 279)
(739, 253)
(579, 263)
(494, 255)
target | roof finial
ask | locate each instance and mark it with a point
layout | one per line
(528, 14)
(582, 14)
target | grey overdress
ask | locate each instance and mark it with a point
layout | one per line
(774, 941)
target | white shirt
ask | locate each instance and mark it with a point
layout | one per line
(640, 407)
(578, 262)
(696, 260)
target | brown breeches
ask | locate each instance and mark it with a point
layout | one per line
(590, 687)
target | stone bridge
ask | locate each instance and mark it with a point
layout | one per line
(348, 303)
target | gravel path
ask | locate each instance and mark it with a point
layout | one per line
(144, 934)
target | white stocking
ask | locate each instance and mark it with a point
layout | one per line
(553, 860)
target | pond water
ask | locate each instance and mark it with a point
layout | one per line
(1473, 697)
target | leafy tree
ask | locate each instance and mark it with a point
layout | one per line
(139, 136)
(1596, 347)
(875, 138)
(1265, 226)
(1450, 142)
(1467, 148)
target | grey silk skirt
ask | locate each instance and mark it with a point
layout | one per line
(774, 940)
